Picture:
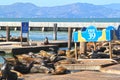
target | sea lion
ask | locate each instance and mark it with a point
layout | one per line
(7, 74)
(61, 53)
(23, 68)
(46, 41)
(60, 70)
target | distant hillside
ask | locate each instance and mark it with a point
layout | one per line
(113, 6)
(76, 10)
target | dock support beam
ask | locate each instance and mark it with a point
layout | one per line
(76, 53)
(69, 38)
(55, 31)
(15, 29)
(82, 47)
(110, 50)
(7, 33)
(43, 29)
(29, 29)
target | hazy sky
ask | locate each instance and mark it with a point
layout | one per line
(58, 2)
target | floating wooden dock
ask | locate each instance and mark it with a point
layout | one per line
(18, 49)
(34, 46)
(90, 64)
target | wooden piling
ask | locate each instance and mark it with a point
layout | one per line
(15, 29)
(76, 54)
(69, 38)
(94, 44)
(28, 38)
(7, 33)
(82, 47)
(55, 31)
(21, 36)
(110, 50)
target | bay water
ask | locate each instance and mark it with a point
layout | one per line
(38, 35)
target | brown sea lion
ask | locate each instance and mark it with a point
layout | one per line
(61, 53)
(70, 53)
(60, 70)
(44, 54)
(46, 41)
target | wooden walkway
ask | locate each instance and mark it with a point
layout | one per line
(17, 48)
(34, 46)
(90, 64)
(111, 72)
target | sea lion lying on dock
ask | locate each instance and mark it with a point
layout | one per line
(7, 72)
(70, 53)
(23, 68)
(44, 54)
(60, 70)
(44, 66)
(57, 71)
(61, 53)
(43, 62)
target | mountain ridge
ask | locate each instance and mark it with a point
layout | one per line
(74, 10)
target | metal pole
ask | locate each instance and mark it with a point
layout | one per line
(28, 37)
(21, 35)
(69, 37)
(83, 44)
(76, 51)
(7, 33)
(55, 31)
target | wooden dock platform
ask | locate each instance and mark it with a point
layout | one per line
(34, 46)
(90, 64)
(26, 49)
(88, 73)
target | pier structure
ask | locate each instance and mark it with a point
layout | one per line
(61, 26)
(55, 26)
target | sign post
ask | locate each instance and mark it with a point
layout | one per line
(25, 29)
(110, 50)
(83, 44)
(76, 53)
(91, 34)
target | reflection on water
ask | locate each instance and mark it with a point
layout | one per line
(1, 60)
(65, 48)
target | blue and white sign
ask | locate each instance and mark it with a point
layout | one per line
(91, 34)
(25, 27)
(118, 33)
(113, 32)
(83, 29)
